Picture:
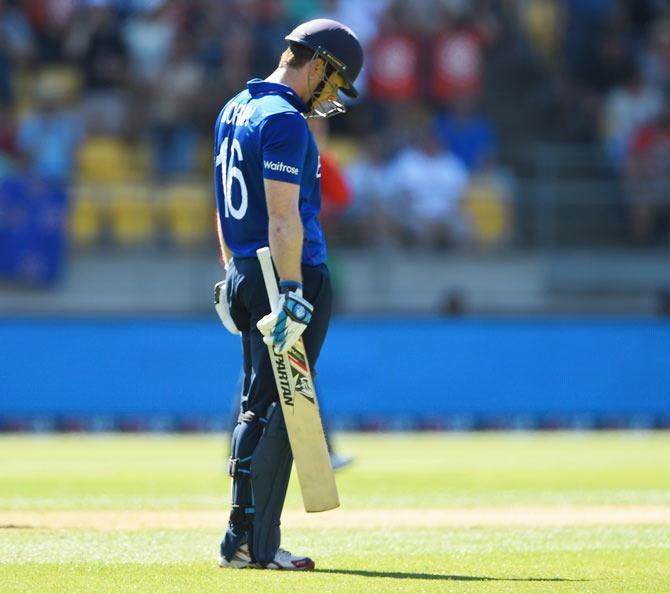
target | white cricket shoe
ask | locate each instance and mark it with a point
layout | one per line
(240, 560)
(284, 560)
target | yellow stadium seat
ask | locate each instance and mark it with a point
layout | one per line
(86, 217)
(189, 213)
(131, 214)
(489, 212)
(106, 159)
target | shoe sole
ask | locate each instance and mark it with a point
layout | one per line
(237, 564)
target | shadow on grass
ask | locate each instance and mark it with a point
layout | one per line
(408, 575)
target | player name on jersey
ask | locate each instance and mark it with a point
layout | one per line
(238, 113)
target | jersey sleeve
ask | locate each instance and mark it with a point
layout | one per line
(284, 140)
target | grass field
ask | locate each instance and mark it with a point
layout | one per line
(573, 512)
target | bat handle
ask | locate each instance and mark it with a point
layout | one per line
(265, 258)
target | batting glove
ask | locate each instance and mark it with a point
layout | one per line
(283, 326)
(222, 307)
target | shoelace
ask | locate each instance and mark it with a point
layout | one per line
(283, 555)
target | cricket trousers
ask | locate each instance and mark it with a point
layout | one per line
(261, 458)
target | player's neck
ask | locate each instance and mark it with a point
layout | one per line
(291, 78)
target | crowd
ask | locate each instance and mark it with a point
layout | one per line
(451, 89)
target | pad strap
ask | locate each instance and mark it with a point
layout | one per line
(239, 466)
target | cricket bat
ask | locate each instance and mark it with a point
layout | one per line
(301, 412)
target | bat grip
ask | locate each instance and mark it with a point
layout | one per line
(265, 258)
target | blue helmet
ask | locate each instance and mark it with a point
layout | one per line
(336, 44)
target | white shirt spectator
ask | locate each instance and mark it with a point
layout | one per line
(626, 109)
(149, 40)
(430, 185)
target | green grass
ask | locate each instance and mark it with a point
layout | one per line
(391, 472)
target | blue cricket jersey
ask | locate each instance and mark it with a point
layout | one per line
(262, 134)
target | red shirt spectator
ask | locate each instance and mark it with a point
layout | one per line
(651, 149)
(335, 190)
(7, 132)
(392, 62)
(457, 63)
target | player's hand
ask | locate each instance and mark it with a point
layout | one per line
(284, 325)
(221, 305)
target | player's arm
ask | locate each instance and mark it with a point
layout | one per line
(285, 230)
(285, 140)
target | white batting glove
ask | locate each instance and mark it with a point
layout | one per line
(284, 325)
(221, 305)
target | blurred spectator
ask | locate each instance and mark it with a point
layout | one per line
(362, 16)
(16, 45)
(149, 36)
(49, 135)
(7, 142)
(225, 50)
(97, 42)
(174, 105)
(649, 179)
(639, 16)
(7, 132)
(585, 21)
(610, 63)
(656, 58)
(370, 212)
(49, 20)
(269, 28)
(457, 57)
(428, 185)
(626, 109)
(466, 133)
(393, 61)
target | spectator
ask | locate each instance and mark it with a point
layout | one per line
(16, 46)
(656, 57)
(457, 58)
(149, 37)
(362, 17)
(649, 179)
(48, 136)
(393, 61)
(610, 63)
(7, 140)
(174, 105)
(585, 21)
(96, 40)
(466, 133)
(268, 31)
(428, 185)
(49, 20)
(370, 215)
(626, 109)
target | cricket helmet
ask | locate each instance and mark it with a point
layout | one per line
(336, 44)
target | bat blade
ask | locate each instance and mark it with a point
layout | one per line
(300, 407)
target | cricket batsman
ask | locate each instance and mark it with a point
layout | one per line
(267, 193)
